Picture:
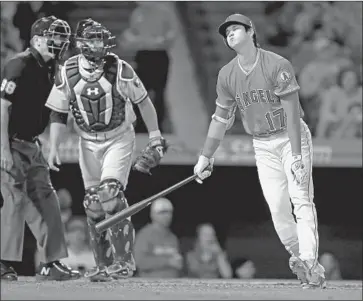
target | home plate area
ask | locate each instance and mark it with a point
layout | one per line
(27, 288)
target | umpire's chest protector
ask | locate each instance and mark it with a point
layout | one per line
(96, 104)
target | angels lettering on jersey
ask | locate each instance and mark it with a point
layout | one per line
(100, 100)
(257, 93)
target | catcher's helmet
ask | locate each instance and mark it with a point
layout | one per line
(94, 40)
(56, 31)
(81, 25)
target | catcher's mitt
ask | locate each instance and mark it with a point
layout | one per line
(151, 156)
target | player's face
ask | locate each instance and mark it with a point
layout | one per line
(206, 235)
(163, 218)
(95, 45)
(236, 35)
(42, 46)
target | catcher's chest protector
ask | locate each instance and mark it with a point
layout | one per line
(96, 105)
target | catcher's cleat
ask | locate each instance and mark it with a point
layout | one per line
(119, 271)
(98, 274)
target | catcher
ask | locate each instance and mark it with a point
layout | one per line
(99, 89)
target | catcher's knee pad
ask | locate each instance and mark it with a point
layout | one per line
(122, 237)
(92, 205)
(111, 196)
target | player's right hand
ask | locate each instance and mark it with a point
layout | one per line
(203, 169)
(53, 159)
(6, 159)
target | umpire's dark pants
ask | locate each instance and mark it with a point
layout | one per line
(29, 197)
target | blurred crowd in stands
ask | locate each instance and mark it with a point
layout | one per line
(323, 40)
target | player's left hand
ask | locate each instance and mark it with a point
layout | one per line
(298, 170)
(151, 156)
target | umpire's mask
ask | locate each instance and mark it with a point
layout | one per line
(58, 38)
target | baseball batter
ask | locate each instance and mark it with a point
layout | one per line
(262, 86)
(100, 89)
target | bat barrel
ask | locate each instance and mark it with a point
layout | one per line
(117, 218)
(120, 216)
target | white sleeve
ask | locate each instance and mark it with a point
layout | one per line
(130, 83)
(58, 99)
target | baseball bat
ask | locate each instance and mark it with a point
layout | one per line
(129, 211)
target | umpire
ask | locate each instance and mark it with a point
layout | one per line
(25, 180)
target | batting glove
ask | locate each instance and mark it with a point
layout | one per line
(203, 169)
(298, 170)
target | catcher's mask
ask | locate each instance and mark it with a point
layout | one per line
(58, 38)
(94, 41)
(81, 25)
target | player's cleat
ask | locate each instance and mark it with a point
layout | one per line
(98, 274)
(119, 271)
(56, 271)
(308, 278)
(316, 279)
(298, 269)
(8, 273)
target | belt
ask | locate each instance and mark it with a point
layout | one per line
(273, 136)
(33, 139)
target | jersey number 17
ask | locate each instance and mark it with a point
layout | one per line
(277, 116)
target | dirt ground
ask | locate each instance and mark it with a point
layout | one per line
(177, 289)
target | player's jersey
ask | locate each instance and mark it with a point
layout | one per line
(100, 100)
(257, 92)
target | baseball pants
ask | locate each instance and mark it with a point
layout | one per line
(29, 197)
(274, 159)
(109, 159)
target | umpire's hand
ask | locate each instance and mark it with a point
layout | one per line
(53, 159)
(6, 159)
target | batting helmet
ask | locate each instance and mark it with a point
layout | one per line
(236, 19)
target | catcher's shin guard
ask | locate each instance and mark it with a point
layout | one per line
(122, 235)
(100, 243)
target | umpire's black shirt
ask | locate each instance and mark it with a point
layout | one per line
(27, 82)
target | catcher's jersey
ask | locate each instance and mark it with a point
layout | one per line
(100, 100)
(257, 92)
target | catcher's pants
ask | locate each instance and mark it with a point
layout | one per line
(29, 197)
(274, 159)
(109, 159)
